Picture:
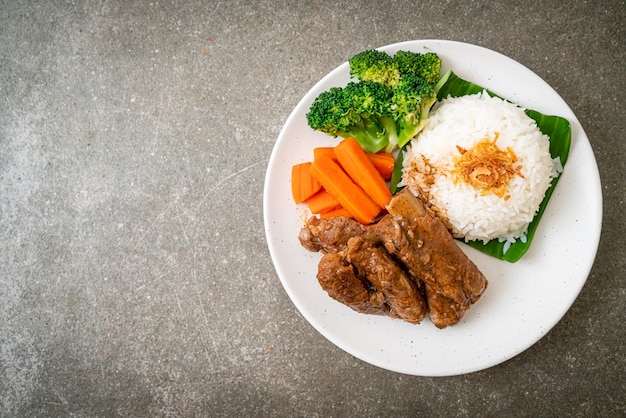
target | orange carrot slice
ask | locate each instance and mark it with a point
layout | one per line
(303, 185)
(336, 182)
(322, 201)
(384, 163)
(361, 169)
(330, 151)
(336, 212)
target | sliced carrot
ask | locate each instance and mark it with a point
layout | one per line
(336, 212)
(322, 201)
(330, 151)
(336, 182)
(303, 184)
(384, 163)
(359, 167)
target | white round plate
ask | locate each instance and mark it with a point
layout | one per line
(524, 300)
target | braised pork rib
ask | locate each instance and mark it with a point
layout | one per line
(339, 279)
(406, 265)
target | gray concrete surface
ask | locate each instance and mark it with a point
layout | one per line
(135, 278)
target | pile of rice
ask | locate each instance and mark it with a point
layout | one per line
(456, 125)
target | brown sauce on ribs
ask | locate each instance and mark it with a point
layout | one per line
(406, 265)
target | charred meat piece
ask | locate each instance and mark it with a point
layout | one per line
(427, 249)
(377, 266)
(337, 277)
(443, 311)
(329, 235)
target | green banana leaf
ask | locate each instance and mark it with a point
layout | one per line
(560, 133)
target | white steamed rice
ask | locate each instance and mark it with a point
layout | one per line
(468, 212)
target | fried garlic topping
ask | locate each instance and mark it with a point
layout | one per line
(486, 167)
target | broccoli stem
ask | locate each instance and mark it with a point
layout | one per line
(391, 132)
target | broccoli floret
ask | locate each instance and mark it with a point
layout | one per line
(387, 106)
(411, 103)
(380, 67)
(426, 65)
(374, 65)
(358, 110)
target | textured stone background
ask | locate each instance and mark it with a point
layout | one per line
(135, 278)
